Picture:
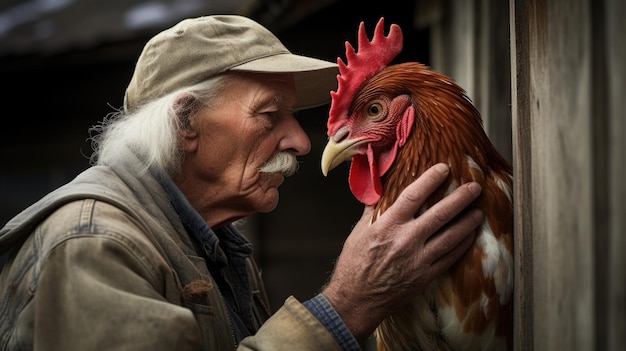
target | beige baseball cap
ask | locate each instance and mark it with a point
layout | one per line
(199, 48)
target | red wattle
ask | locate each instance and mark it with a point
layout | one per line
(364, 178)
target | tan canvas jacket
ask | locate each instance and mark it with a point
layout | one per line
(104, 263)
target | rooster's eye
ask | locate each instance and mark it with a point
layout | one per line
(375, 110)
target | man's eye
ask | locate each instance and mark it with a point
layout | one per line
(271, 114)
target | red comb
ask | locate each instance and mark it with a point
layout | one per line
(371, 58)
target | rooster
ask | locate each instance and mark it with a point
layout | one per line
(394, 122)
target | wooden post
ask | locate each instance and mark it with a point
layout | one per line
(568, 128)
(522, 160)
(613, 15)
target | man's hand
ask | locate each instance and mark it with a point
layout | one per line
(385, 264)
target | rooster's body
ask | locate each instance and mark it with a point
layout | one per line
(395, 122)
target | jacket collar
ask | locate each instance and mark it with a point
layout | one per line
(206, 241)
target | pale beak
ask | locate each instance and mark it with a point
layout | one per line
(336, 153)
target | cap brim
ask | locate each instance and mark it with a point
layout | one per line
(314, 78)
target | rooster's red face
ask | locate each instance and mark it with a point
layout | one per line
(371, 135)
(365, 124)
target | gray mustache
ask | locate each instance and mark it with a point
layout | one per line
(281, 162)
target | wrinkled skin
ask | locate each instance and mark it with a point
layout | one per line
(226, 145)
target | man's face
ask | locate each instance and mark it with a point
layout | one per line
(229, 142)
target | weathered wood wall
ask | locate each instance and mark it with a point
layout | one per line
(568, 149)
(551, 94)
(611, 297)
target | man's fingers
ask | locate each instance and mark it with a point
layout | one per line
(449, 207)
(413, 197)
(451, 243)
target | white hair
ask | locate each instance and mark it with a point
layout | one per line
(152, 130)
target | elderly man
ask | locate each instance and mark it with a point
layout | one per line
(139, 252)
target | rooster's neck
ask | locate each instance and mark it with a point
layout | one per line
(448, 129)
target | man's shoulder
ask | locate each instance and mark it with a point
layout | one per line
(95, 225)
(91, 217)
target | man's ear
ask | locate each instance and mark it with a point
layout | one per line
(185, 112)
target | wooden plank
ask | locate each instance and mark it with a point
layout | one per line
(522, 166)
(601, 141)
(615, 11)
(562, 177)
(553, 155)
